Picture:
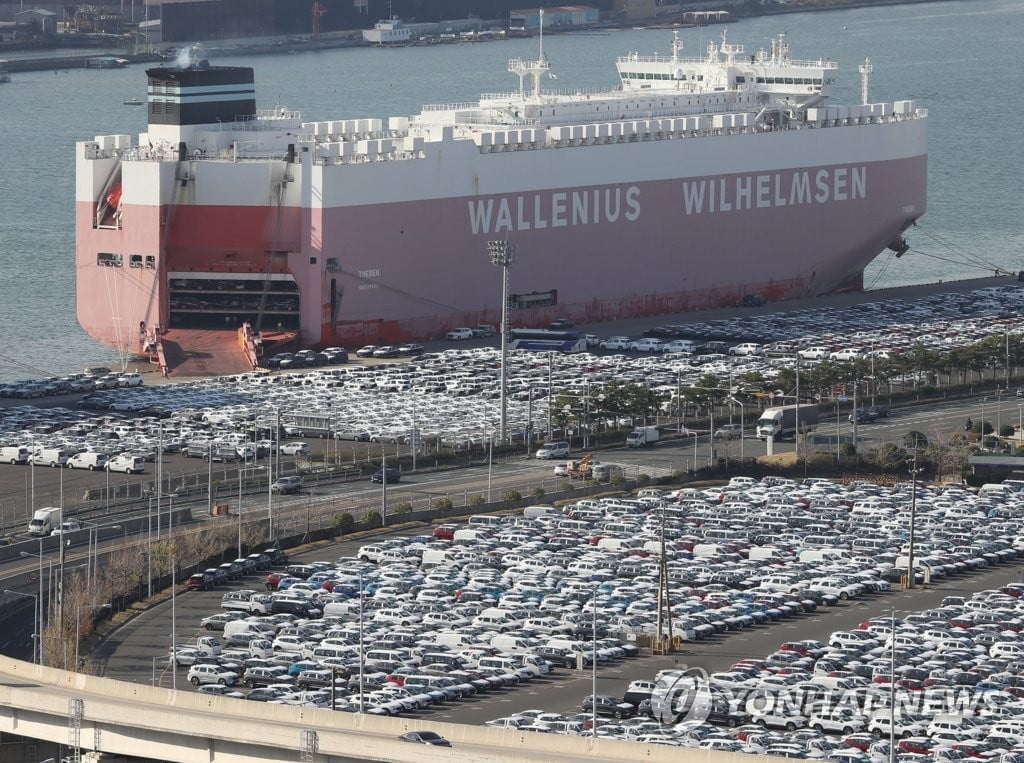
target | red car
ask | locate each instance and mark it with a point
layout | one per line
(918, 745)
(445, 532)
(272, 580)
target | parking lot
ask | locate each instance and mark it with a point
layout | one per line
(473, 604)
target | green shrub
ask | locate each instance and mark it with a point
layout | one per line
(372, 519)
(847, 449)
(402, 508)
(511, 496)
(928, 390)
(476, 499)
(443, 504)
(618, 480)
(343, 522)
(1006, 430)
(643, 480)
(537, 492)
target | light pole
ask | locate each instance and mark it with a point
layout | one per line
(362, 661)
(174, 613)
(742, 419)
(892, 688)
(39, 574)
(911, 582)
(694, 451)
(502, 255)
(490, 463)
(37, 649)
(593, 666)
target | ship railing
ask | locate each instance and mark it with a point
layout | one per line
(464, 106)
(636, 58)
(514, 96)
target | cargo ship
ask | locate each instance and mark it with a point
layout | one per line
(692, 182)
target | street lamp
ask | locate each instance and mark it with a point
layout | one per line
(911, 582)
(37, 650)
(174, 613)
(742, 419)
(502, 255)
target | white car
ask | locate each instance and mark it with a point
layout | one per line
(294, 448)
(844, 722)
(617, 343)
(460, 333)
(813, 353)
(849, 353)
(561, 470)
(648, 345)
(747, 349)
(211, 674)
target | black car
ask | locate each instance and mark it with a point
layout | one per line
(607, 705)
(410, 349)
(560, 324)
(862, 416)
(425, 737)
(391, 473)
(879, 411)
(274, 361)
(276, 556)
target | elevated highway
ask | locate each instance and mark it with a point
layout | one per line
(89, 714)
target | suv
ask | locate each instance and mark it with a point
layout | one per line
(391, 474)
(607, 705)
(728, 432)
(285, 485)
(485, 330)
(459, 333)
(862, 416)
(211, 674)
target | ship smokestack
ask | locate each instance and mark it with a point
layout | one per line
(290, 155)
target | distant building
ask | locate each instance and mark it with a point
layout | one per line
(562, 16)
(41, 21)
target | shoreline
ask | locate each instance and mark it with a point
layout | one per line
(290, 44)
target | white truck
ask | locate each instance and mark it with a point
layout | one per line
(44, 521)
(783, 421)
(642, 436)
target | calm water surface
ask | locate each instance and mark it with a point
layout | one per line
(959, 59)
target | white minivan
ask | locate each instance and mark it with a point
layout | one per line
(50, 457)
(14, 454)
(127, 464)
(87, 460)
(553, 450)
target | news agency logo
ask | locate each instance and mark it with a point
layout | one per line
(682, 696)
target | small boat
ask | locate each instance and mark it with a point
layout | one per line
(132, 101)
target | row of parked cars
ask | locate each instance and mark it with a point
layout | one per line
(72, 383)
(501, 597)
(944, 684)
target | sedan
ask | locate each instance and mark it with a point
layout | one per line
(425, 737)
(387, 351)
(367, 351)
(294, 448)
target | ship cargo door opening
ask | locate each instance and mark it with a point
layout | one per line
(227, 300)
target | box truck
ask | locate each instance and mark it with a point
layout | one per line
(44, 521)
(642, 436)
(783, 421)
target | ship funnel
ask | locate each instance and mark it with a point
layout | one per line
(182, 99)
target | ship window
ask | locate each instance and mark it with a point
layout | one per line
(150, 262)
(760, 80)
(135, 260)
(312, 260)
(789, 80)
(817, 82)
(740, 79)
(108, 259)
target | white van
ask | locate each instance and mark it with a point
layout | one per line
(995, 488)
(508, 643)
(87, 460)
(532, 512)
(235, 627)
(453, 639)
(14, 454)
(127, 464)
(50, 457)
(486, 520)
(551, 450)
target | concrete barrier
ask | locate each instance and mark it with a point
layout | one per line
(190, 727)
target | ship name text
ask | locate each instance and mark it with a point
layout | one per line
(554, 209)
(779, 189)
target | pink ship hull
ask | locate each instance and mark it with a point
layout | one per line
(414, 270)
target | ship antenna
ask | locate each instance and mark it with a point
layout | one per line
(677, 45)
(534, 69)
(865, 70)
